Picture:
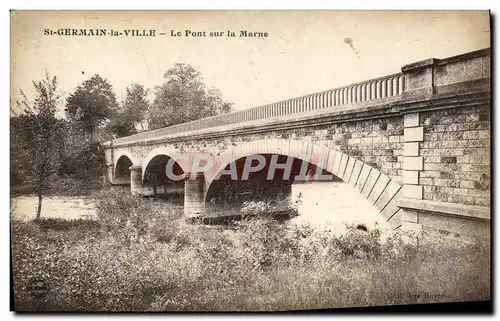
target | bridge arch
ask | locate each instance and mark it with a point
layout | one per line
(379, 189)
(318, 155)
(159, 152)
(127, 154)
(154, 175)
(121, 167)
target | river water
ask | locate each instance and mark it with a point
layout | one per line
(334, 204)
(322, 203)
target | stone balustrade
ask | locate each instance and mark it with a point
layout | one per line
(371, 90)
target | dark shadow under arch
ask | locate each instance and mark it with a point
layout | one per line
(157, 183)
(225, 195)
(122, 170)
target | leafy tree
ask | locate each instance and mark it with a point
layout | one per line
(136, 104)
(39, 137)
(183, 97)
(85, 165)
(132, 113)
(122, 126)
(92, 105)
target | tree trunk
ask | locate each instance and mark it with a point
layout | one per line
(39, 208)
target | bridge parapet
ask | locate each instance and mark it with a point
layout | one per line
(424, 77)
(370, 90)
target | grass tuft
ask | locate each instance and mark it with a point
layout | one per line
(141, 255)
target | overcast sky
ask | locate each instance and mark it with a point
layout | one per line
(305, 51)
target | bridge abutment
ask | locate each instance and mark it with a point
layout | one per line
(445, 154)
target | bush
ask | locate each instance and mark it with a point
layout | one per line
(135, 219)
(270, 208)
(141, 255)
(86, 165)
(268, 241)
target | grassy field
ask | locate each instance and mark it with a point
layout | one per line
(140, 255)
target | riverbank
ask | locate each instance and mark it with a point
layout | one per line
(321, 203)
(141, 256)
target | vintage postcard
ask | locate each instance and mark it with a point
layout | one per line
(249, 160)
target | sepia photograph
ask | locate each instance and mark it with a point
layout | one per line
(250, 160)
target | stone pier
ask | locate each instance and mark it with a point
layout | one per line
(194, 195)
(135, 179)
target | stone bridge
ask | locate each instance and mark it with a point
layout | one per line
(415, 144)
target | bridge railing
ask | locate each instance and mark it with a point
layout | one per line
(370, 90)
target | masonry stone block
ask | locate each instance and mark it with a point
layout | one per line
(412, 120)
(411, 177)
(413, 191)
(331, 159)
(410, 226)
(486, 67)
(455, 224)
(413, 163)
(418, 75)
(363, 176)
(395, 220)
(336, 163)
(358, 166)
(379, 187)
(411, 149)
(454, 72)
(414, 134)
(370, 182)
(135, 179)
(194, 202)
(389, 193)
(342, 166)
(349, 168)
(410, 216)
(391, 208)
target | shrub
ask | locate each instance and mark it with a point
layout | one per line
(270, 207)
(86, 165)
(135, 219)
(141, 255)
(268, 242)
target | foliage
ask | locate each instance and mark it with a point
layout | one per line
(132, 112)
(36, 143)
(122, 126)
(267, 241)
(271, 207)
(256, 207)
(130, 218)
(141, 255)
(85, 165)
(183, 98)
(92, 105)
